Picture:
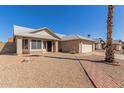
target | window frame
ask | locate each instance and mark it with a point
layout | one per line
(36, 44)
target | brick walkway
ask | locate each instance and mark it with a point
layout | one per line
(98, 76)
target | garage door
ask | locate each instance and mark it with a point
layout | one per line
(86, 48)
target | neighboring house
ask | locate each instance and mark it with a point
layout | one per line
(117, 45)
(99, 44)
(8, 47)
(44, 40)
(1, 44)
(77, 43)
(123, 45)
(10, 39)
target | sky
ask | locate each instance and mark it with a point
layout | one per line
(67, 20)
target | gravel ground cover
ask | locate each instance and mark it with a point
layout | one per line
(46, 70)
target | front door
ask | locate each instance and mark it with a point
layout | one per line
(49, 46)
(25, 46)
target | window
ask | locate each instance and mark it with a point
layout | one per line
(25, 44)
(33, 44)
(36, 44)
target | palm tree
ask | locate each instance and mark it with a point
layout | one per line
(109, 47)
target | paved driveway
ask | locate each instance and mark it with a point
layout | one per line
(47, 70)
(97, 66)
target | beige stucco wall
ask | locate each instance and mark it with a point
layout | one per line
(75, 45)
(19, 45)
(70, 45)
(98, 46)
(93, 46)
(56, 46)
(66, 46)
(20, 50)
(118, 47)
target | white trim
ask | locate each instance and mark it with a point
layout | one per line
(42, 45)
(80, 47)
(19, 45)
(36, 45)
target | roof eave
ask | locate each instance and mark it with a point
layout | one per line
(33, 37)
(79, 39)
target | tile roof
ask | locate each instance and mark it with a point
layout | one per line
(76, 36)
(27, 32)
(117, 42)
(99, 40)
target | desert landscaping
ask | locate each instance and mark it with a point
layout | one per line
(76, 55)
(55, 70)
(41, 71)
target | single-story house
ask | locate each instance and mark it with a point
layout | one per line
(117, 45)
(10, 39)
(29, 40)
(99, 43)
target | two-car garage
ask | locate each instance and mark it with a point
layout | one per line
(87, 48)
(77, 43)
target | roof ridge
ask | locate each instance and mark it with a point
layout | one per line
(78, 36)
(23, 27)
(42, 28)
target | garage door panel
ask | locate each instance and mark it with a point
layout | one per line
(86, 48)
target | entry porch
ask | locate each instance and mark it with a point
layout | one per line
(32, 45)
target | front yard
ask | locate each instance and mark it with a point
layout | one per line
(47, 70)
(55, 70)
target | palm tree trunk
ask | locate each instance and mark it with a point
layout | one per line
(109, 47)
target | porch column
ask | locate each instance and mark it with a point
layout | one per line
(46, 46)
(19, 45)
(80, 47)
(93, 46)
(42, 46)
(29, 44)
(56, 46)
(52, 46)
